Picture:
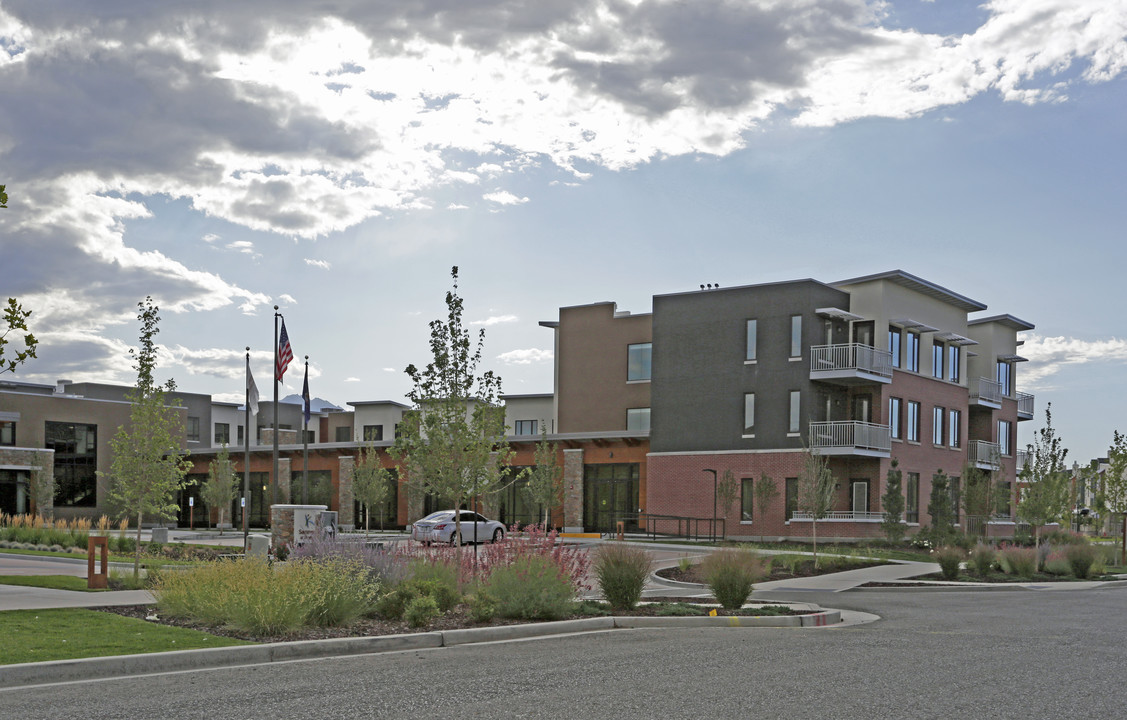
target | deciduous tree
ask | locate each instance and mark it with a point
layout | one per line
(1045, 498)
(371, 484)
(727, 492)
(15, 321)
(219, 491)
(941, 506)
(892, 501)
(816, 487)
(1113, 494)
(544, 485)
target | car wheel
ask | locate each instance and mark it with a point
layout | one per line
(498, 535)
(454, 538)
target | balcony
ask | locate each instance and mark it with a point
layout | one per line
(850, 364)
(850, 437)
(839, 516)
(1024, 406)
(1023, 459)
(986, 393)
(985, 455)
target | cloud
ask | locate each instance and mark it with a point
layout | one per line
(323, 264)
(457, 206)
(495, 320)
(287, 299)
(1049, 355)
(352, 379)
(504, 197)
(525, 357)
(243, 246)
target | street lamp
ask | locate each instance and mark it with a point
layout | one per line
(712, 525)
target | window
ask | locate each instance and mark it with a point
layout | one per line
(752, 332)
(859, 495)
(746, 502)
(240, 431)
(749, 413)
(1004, 438)
(309, 436)
(913, 421)
(912, 361)
(894, 409)
(343, 434)
(373, 433)
(76, 462)
(526, 427)
(7, 433)
(638, 361)
(1006, 491)
(955, 428)
(192, 429)
(912, 498)
(795, 407)
(937, 360)
(894, 344)
(222, 433)
(795, 336)
(954, 359)
(791, 498)
(638, 419)
(1005, 377)
(937, 425)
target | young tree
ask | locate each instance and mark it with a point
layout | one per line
(815, 490)
(545, 478)
(982, 495)
(1113, 494)
(3, 197)
(371, 484)
(766, 491)
(892, 501)
(15, 320)
(727, 492)
(148, 466)
(1045, 498)
(941, 507)
(452, 443)
(220, 489)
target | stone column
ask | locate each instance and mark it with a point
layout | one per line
(345, 499)
(573, 490)
(285, 477)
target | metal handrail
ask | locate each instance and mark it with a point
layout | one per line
(839, 515)
(986, 452)
(1024, 404)
(988, 390)
(850, 434)
(851, 356)
(678, 526)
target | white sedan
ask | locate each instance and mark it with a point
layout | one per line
(439, 527)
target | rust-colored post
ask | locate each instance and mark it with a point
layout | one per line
(101, 579)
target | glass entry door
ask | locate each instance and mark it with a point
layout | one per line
(610, 495)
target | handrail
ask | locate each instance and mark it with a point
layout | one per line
(851, 356)
(988, 390)
(986, 452)
(839, 515)
(1024, 404)
(850, 434)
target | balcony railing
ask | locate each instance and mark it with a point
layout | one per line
(1022, 460)
(849, 437)
(849, 360)
(1025, 406)
(988, 391)
(985, 455)
(839, 515)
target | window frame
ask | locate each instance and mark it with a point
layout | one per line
(521, 426)
(222, 434)
(795, 337)
(794, 418)
(639, 362)
(913, 429)
(749, 415)
(1005, 447)
(912, 352)
(638, 413)
(192, 429)
(10, 427)
(938, 355)
(954, 363)
(751, 347)
(368, 431)
(895, 418)
(895, 336)
(954, 428)
(938, 417)
(747, 500)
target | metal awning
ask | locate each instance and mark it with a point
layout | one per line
(954, 338)
(914, 326)
(1012, 358)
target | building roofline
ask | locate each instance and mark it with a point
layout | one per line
(359, 403)
(918, 284)
(746, 287)
(1008, 320)
(528, 395)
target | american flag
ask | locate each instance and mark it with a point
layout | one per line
(285, 353)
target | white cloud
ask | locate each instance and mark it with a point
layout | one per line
(323, 264)
(495, 320)
(457, 206)
(243, 246)
(352, 379)
(1049, 355)
(287, 299)
(504, 197)
(211, 238)
(525, 357)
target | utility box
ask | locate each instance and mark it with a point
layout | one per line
(258, 546)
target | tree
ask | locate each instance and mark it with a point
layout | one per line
(941, 507)
(545, 478)
(1113, 494)
(15, 320)
(371, 484)
(451, 444)
(727, 492)
(219, 491)
(1045, 498)
(766, 490)
(815, 490)
(892, 501)
(982, 494)
(3, 197)
(148, 466)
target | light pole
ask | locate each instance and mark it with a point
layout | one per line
(712, 524)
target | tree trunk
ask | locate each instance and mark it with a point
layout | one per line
(1123, 554)
(137, 551)
(815, 524)
(367, 521)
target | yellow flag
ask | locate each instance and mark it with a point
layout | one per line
(712, 612)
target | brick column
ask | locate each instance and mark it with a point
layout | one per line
(345, 500)
(573, 490)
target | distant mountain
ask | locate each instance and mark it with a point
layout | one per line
(315, 405)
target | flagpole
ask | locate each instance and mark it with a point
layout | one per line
(305, 439)
(274, 475)
(246, 458)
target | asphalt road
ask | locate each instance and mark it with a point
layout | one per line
(961, 654)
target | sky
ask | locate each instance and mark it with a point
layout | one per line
(336, 159)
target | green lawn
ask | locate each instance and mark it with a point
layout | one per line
(56, 582)
(41, 635)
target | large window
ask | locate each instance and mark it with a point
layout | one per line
(373, 433)
(894, 419)
(638, 419)
(343, 434)
(525, 427)
(790, 498)
(639, 358)
(7, 433)
(241, 435)
(894, 344)
(937, 425)
(1005, 377)
(954, 360)
(222, 433)
(752, 338)
(913, 421)
(937, 360)
(747, 504)
(912, 498)
(955, 428)
(1004, 438)
(76, 463)
(749, 413)
(795, 336)
(912, 342)
(795, 408)
(192, 429)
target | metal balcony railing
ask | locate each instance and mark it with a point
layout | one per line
(850, 434)
(851, 356)
(984, 453)
(1025, 404)
(987, 390)
(1022, 460)
(839, 516)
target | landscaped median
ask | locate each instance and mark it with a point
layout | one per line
(25, 674)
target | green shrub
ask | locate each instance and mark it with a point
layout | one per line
(684, 563)
(982, 559)
(1055, 562)
(445, 596)
(731, 574)
(391, 604)
(1020, 561)
(336, 591)
(482, 606)
(950, 559)
(622, 571)
(1080, 558)
(439, 570)
(421, 611)
(532, 588)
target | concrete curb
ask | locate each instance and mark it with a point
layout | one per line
(115, 666)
